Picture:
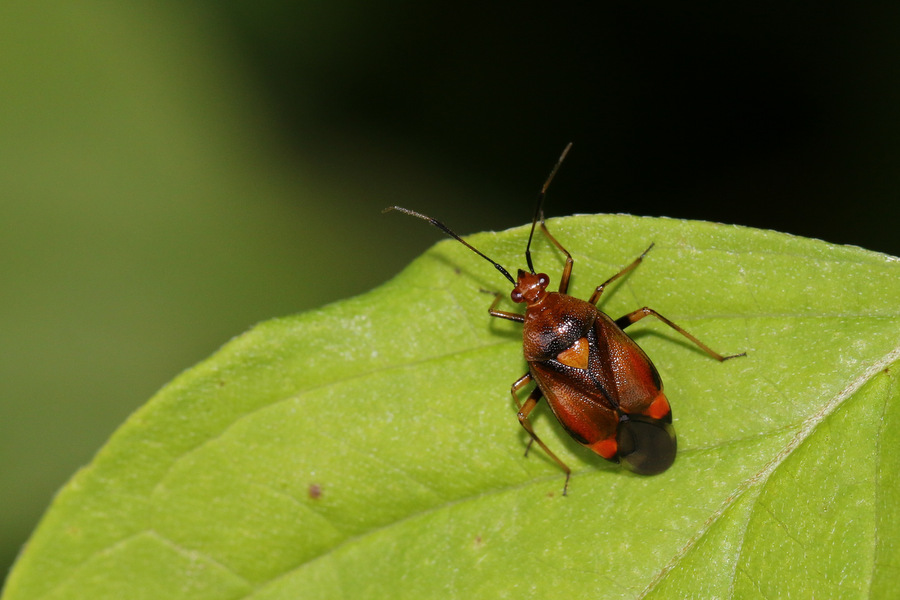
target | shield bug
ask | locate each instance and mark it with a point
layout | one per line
(599, 383)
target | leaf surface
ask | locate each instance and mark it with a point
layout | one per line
(370, 449)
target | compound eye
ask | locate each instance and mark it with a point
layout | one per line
(646, 447)
(543, 280)
(516, 296)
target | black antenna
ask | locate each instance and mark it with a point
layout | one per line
(453, 234)
(539, 209)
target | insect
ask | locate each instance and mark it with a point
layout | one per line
(599, 383)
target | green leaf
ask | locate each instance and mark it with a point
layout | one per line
(370, 449)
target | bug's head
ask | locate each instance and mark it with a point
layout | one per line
(646, 446)
(530, 287)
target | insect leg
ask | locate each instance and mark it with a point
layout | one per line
(567, 270)
(634, 317)
(596, 295)
(503, 314)
(539, 216)
(525, 410)
(516, 387)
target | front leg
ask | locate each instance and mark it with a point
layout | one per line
(599, 290)
(502, 313)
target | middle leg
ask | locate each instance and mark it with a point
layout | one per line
(525, 410)
(634, 317)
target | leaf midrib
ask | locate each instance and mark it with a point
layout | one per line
(807, 428)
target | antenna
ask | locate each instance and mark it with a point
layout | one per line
(455, 236)
(539, 209)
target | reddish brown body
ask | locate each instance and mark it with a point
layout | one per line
(590, 371)
(599, 384)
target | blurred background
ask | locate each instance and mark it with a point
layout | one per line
(173, 172)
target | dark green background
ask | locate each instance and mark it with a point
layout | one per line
(172, 173)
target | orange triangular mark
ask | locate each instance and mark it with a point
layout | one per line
(576, 356)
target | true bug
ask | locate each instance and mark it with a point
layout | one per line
(600, 385)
